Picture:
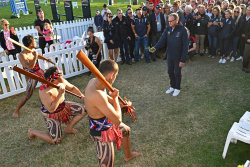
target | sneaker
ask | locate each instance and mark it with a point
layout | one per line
(170, 90)
(142, 56)
(224, 61)
(213, 57)
(176, 92)
(220, 60)
(228, 57)
(239, 58)
(232, 59)
(209, 56)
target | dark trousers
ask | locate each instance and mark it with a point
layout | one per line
(174, 72)
(98, 60)
(225, 47)
(191, 54)
(124, 45)
(13, 53)
(242, 45)
(246, 57)
(42, 43)
(235, 45)
(155, 38)
(213, 40)
(132, 47)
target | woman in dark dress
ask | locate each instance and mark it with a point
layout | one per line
(9, 47)
(94, 46)
(111, 36)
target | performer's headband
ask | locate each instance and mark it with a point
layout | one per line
(55, 75)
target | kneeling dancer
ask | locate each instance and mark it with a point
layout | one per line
(106, 120)
(56, 110)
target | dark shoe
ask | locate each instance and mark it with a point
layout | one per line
(128, 63)
(244, 69)
(165, 58)
(148, 61)
(247, 71)
(201, 54)
(122, 62)
(158, 56)
(154, 59)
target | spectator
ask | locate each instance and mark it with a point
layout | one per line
(183, 1)
(178, 11)
(243, 9)
(231, 6)
(124, 34)
(105, 11)
(157, 25)
(151, 8)
(141, 29)
(9, 47)
(201, 21)
(95, 48)
(128, 7)
(246, 59)
(226, 34)
(161, 5)
(238, 19)
(145, 11)
(39, 24)
(166, 12)
(48, 33)
(192, 47)
(188, 19)
(205, 4)
(142, 4)
(147, 3)
(98, 21)
(213, 31)
(132, 41)
(183, 7)
(177, 49)
(188, 2)
(110, 32)
(224, 8)
(209, 10)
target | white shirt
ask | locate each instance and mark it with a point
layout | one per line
(103, 11)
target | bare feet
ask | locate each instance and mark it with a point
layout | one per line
(31, 135)
(133, 155)
(15, 115)
(74, 131)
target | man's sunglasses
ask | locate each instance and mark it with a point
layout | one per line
(236, 12)
(110, 16)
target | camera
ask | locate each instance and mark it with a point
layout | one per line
(88, 46)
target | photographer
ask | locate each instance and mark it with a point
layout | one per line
(105, 11)
(94, 46)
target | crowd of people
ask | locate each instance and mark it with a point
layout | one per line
(215, 27)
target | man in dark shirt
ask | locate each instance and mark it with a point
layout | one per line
(124, 34)
(132, 40)
(141, 28)
(39, 24)
(177, 41)
(157, 24)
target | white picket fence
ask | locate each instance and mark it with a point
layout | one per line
(12, 83)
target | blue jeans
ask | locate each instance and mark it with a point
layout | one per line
(212, 39)
(144, 41)
(235, 45)
(124, 45)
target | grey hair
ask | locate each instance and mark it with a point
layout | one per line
(188, 7)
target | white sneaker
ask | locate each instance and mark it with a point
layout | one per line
(142, 56)
(228, 57)
(220, 60)
(170, 90)
(224, 61)
(239, 58)
(232, 59)
(176, 92)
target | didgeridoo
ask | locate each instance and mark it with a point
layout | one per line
(85, 60)
(40, 56)
(42, 80)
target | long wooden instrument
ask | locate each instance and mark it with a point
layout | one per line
(40, 56)
(42, 80)
(85, 60)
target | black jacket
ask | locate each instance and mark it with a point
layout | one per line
(110, 31)
(130, 27)
(228, 28)
(214, 30)
(245, 23)
(239, 27)
(3, 43)
(153, 24)
(188, 22)
(123, 26)
(177, 43)
(247, 32)
(201, 24)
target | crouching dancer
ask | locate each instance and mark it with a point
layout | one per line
(106, 120)
(56, 110)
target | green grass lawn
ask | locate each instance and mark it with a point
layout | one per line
(187, 130)
(28, 20)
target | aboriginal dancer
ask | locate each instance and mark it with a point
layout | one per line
(29, 62)
(106, 119)
(56, 110)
